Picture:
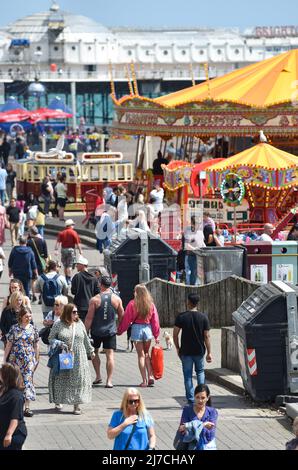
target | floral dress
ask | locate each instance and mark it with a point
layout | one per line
(72, 386)
(23, 354)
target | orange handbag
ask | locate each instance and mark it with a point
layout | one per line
(157, 361)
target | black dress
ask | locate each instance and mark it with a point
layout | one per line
(11, 407)
(7, 320)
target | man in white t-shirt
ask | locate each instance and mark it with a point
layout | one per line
(157, 195)
(266, 236)
(193, 239)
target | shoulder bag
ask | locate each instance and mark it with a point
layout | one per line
(178, 442)
(66, 358)
(130, 436)
(41, 259)
(44, 333)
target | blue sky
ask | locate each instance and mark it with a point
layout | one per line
(170, 13)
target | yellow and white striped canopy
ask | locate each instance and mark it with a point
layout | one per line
(262, 155)
(263, 84)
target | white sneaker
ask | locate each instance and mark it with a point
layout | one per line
(58, 407)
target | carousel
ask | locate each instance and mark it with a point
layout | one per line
(270, 177)
(261, 96)
(229, 111)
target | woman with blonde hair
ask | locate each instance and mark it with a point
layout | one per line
(9, 316)
(72, 386)
(22, 349)
(142, 316)
(15, 285)
(131, 426)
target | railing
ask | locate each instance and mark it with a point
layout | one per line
(153, 72)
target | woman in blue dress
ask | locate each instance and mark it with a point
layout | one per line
(198, 421)
(22, 349)
(132, 426)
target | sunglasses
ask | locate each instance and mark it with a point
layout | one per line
(133, 402)
(57, 305)
(74, 311)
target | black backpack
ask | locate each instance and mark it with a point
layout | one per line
(50, 290)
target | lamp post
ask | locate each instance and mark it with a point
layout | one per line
(36, 88)
(202, 177)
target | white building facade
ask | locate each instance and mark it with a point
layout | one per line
(73, 54)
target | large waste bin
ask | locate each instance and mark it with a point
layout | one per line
(123, 259)
(263, 336)
(216, 263)
(259, 262)
(284, 261)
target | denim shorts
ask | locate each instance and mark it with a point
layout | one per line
(141, 332)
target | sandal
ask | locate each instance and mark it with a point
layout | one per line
(97, 382)
(150, 382)
(28, 413)
(143, 385)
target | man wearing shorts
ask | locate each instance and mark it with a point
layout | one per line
(69, 241)
(101, 320)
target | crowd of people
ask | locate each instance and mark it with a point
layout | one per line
(76, 327)
(82, 313)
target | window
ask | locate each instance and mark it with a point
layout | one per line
(73, 48)
(89, 48)
(38, 48)
(237, 51)
(165, 52)
(129, 53)
(183, 52)
(147, 53)
(201, 52)
(56, 48)
(218, 51)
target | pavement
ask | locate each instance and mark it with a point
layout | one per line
(242, 424)
(215, 373)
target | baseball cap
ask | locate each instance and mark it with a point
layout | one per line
(106, 281)
(82, 260)
(69, 222)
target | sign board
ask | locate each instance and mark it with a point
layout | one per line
(284, 272)
(259, 273)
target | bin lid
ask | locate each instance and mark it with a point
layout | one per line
(255, 304)
(132, 247)
(284, 243)
(221, 248)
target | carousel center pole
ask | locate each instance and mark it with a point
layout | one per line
(235, 225)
